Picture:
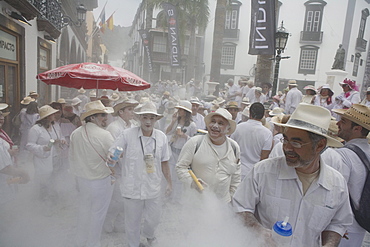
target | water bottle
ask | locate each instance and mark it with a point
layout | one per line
(117, 152)
(282, 233)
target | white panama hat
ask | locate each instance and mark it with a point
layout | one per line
(312, 118)
(225, 114)
(148, 108)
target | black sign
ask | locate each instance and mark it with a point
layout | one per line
(145, 36)
(263, 28)
(173, 36)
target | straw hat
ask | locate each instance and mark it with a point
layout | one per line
(276, 111)
(95, 107)
(245, 101)
(194, 100)
(27, 100)
(359, 114)
(61, 100)
(75, 101)
(258, 89)
(81, 90)
(149, 108)
(292, 83)
(45, 111)
(3, 106)
(225, 114)
(312, 118)
(124, 103)
(185, 105)
(246, 112)
(166, 93)
(33, 93)
(92, 93)
(114, 97)
(232, 105)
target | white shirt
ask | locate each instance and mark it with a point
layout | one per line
(220, 172)
(136, 183)
(272, 191)
(252, 138)
(89, 145)
(118, 126)
(199, 121)
(293, 98)
(232, 92)
(354, 171)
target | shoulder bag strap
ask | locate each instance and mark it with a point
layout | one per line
(360, 154)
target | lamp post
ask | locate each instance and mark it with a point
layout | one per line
(81, 17)
(281, 38)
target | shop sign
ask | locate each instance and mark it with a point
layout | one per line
(8, 46)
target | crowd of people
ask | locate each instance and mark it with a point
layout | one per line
(267, 156)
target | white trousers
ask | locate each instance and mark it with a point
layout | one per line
(95, 197)
(134, 210)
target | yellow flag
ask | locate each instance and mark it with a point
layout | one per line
(110, 22)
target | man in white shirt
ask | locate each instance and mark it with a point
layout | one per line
(144, 164)
(233, 90)
(353, 128)
(293, 97)
(89, 145)
(198, 119)
(254, 139)
(298, 185)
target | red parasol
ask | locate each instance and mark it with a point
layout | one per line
(93, 76)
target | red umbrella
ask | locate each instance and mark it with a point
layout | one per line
(93, 76)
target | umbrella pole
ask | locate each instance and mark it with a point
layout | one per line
(97, 89)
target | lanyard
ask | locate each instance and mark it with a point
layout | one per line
(54, 131)
(142, 147)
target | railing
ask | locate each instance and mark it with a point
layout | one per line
(50, 10)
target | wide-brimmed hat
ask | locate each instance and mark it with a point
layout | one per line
(114, 97)
(185, 105)
(45, 111)
(122, 104)
(276, 111)
(225, 114)
(148, 108)
(3, 106)
(326, 86)
(27, 100)
(312, 118)
(61, 100)
(258, 89)
(75, 101)
(194, 100)
(33, 93)
(95, 107)
(310, 87)
(359, 114)
(232, 105)
(292, 83)
(92, 93)
(350, 83)
(81, 90)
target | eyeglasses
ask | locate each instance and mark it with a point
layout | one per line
(293, 143)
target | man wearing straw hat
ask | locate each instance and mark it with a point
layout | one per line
(89, 145)
(144, 164)
(354, 127)
(298, 185)
(293, 97)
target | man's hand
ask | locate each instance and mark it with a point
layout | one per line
(168, 189)
(194, 185)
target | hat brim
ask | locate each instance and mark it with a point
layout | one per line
(195, 102)
(184, 108)
(159, 116)
(48, 114)
(232, 123)
(107, 110)
(342, 112)
(119, 106)
(331, 142)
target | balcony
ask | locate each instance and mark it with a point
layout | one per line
(311, 37)
(361, 45)
(50, 17)
(26, 7)
(231, 34)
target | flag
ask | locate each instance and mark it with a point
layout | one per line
(110, 22)
(102, 20)
(263, 27)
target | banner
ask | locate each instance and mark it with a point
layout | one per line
(263, 28)
(110, 24)
(145, 36)
(173, 36)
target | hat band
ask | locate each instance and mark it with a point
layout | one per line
(303, 124)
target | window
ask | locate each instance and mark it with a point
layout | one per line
(308, 58)
(159, 43)
(356, 64)
(232, 15)
(313, 20)
(228, 56)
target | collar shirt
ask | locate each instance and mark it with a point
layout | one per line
(136, 182)
(199, 121)
(272, 191)
(252, 138)
(293, 98)
(116, 127)
(221, 173)
(231, 93)
(354, 171)
(88, 150)
(322, 101)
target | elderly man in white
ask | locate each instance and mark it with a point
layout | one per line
(144, 164)
(198, 119)
(293, 97)
(214, 157)
(298, 185)
(89, 145)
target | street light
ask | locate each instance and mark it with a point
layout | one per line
(281, 38)
(81, 17)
